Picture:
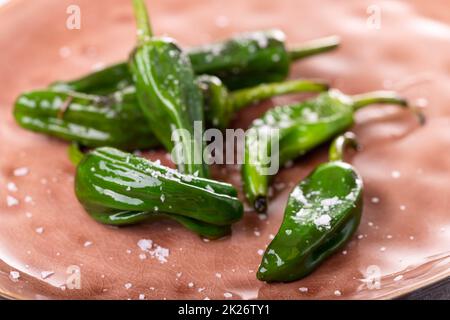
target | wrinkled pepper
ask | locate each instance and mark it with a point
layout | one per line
(245, 60)
(299, 128)
(119, 188)
(167, 93)
(322, 214)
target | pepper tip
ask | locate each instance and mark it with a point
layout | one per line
(261, 204)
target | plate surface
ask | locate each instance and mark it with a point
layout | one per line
(405, 233)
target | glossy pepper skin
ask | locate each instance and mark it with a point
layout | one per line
(299, 128)
(168, 95)
(120, 188)
(90, 120)
(322, 214)
(245, 60)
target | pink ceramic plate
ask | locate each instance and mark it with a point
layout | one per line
(404, 237)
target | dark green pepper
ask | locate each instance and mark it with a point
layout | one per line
(92, 121)
(168, 95)
(322, 214)
(243, 61)
(297, 129)
(120, 188)
(116, 120)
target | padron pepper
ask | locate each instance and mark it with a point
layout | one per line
(245, 60)
(322, 213)
(168, 95)
(119, 188)
(116, 120)
(296, 129)
(90, 120)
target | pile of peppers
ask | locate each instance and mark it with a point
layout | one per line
(162, 89)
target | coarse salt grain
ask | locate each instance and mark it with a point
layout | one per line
(14, 276)
(11, 201)
(382, 249)
(337, 293)
(40, 230)
(395, 174)
(20, 172)
(142, 296)
(303, 289)
(87, 244)
(375, 200)
(11, 186)
(145, 244)
(128, 285)
(142, 256)
(28, 199)
(227, 295)
(190, 284)
(260, 252)
(218, 275)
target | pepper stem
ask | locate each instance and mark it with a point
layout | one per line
(244, 97)
(339, 144)
(314, 47)
(144, 29)
(75, 153)
(385, 97)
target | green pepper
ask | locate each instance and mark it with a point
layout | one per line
(322, 213)
(168, 95)
(297, 129)
(243, 61)
(120, 188)
(90, 120)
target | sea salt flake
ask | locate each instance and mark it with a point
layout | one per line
(40, 230)
(395, 174)
(145, 244)
(87, 244)
(14, 276)
(20, 172)
(11, 201)
(323, 221)
(128, 285)
(11, 186)
(47, 274)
